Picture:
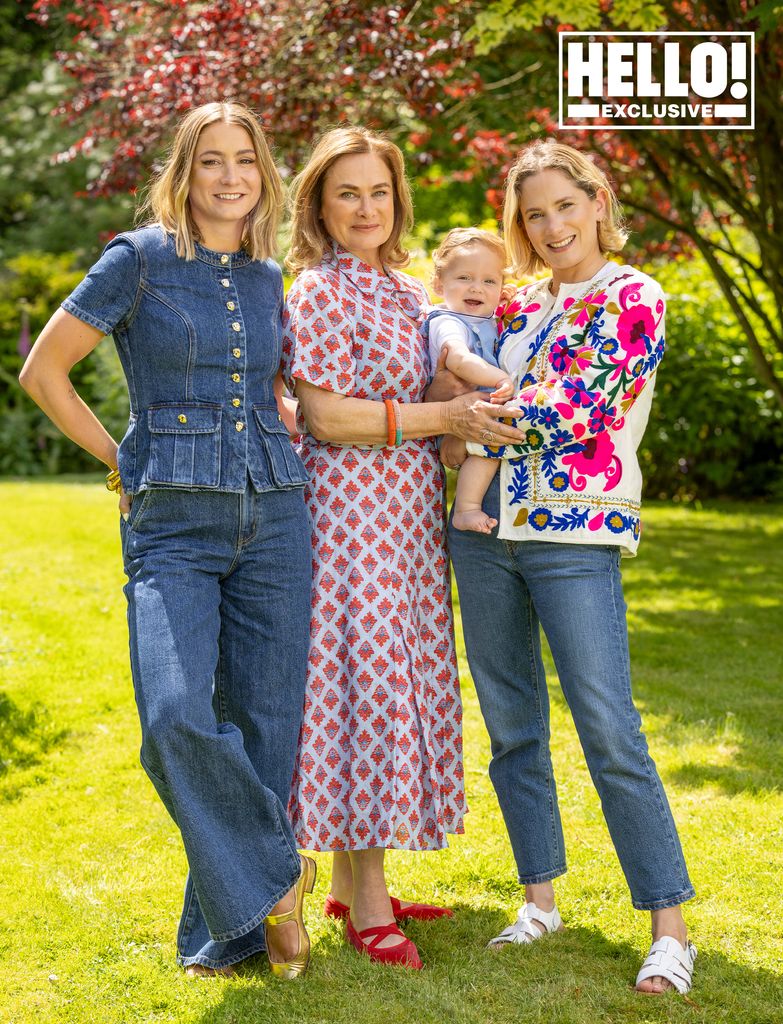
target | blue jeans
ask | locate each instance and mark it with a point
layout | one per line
(507, 590)
(218, 611)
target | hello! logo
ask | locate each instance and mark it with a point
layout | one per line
(656, 80)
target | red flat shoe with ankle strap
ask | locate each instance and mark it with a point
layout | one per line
(413, 912)
(404, 954)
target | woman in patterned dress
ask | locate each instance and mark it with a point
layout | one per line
(585, 343)
(379, 763)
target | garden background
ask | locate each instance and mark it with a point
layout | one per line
(92, 866)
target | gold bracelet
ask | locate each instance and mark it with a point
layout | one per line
(113, 481)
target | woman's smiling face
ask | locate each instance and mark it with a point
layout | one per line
(561, 222)
(357, 205)
(225, 182)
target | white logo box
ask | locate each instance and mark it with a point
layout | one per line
(625, 78)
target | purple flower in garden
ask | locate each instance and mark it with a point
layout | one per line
(24, 346)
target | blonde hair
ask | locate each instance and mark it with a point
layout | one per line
(310, 240)
(167, 203)
(465, 238)
(544, 156)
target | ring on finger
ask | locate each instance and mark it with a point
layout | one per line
(487, 436)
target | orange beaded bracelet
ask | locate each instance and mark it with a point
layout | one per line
(397, 424)
(391, 422)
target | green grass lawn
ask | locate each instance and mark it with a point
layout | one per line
(92, 868)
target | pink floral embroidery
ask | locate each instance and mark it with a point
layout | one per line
(581, 312)
(512, 315)
(633, 327)
(567, 360)
(632, 394)
(597, 458)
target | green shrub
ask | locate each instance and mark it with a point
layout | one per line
(714, 429)
(31, 288)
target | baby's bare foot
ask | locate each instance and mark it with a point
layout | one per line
(474, 519)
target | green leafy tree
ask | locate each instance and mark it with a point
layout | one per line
(43, 205)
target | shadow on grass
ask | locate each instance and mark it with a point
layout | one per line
(579, 976)
(25, 737)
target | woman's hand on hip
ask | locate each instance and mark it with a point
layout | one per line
(473, 419)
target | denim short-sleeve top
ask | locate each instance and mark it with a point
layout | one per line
(200, 343)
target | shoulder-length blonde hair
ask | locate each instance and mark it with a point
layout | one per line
(167, 203)
(550, 155)
(310, 240)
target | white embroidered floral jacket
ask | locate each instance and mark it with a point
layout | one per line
(585, 360)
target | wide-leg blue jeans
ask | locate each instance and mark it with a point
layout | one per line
(508, 590)
(218, 612)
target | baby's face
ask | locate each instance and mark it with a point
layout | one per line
(471, 281)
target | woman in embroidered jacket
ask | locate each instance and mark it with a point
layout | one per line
(584, 344)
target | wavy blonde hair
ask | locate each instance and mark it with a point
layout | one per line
(310, 240)
(466, 238)
(167, 203)
(550, 155)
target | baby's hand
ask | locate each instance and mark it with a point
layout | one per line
(504, 389)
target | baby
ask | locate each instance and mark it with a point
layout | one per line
(469, 271)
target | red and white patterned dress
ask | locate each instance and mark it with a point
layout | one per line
(380, 751)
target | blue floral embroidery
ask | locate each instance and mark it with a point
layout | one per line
(600, 417)
(544, 415)
(562, 437)
(540, 518)
(520, 481)
(576, 519)
(497, 453)
(617, 522)
(549, 463)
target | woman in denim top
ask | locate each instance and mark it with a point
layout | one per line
(212, 507)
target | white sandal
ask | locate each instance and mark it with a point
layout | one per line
(667, 959)
(523, 930)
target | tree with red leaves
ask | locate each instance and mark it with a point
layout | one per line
(303, 66)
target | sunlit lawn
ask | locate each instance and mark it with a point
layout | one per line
(92, 868)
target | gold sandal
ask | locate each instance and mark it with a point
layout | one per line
(295, 967)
